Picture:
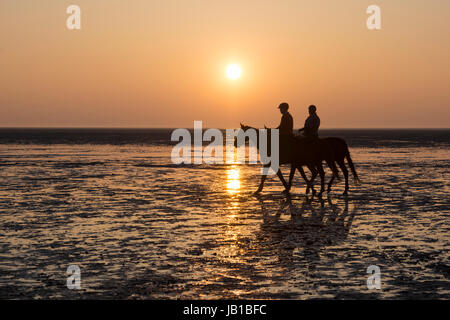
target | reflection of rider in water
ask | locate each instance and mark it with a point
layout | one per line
(311, 128)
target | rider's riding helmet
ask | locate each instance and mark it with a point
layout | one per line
(312, 108)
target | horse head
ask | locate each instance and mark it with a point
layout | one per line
(245, 128)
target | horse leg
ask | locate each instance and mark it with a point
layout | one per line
(263, 178)
(308, 184)
(261, 185)
(330, 183)
(280, 175)
(291, 175)
(322, 178)
(311, 182)
(332, 165)
(345, 171)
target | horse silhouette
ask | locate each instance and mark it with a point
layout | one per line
(298, 153)
(341, 152)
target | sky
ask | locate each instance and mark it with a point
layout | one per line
(141, 63)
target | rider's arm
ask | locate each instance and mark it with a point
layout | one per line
(282, 122)
(307, 124)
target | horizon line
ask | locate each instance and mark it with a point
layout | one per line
(206, 128)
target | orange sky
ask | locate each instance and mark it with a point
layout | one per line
(162, 63)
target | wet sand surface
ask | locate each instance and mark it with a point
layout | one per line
(141, 228)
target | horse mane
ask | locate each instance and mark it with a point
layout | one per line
(248, 127)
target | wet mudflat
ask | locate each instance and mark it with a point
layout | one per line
(140, 227)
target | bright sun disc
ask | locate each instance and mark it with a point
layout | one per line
(233, 71)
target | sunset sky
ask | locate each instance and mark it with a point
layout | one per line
(141, 63)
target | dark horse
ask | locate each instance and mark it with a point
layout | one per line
(299, 152)
(341, 152)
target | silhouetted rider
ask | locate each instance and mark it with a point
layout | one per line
(286, 128)
(287, 123)
(312, 124)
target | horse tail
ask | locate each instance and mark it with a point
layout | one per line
(352, 166)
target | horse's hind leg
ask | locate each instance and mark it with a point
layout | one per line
(333, 176)
(345, 171)
(310, 184)
(322, 178)
(330, 183)
(332, 165)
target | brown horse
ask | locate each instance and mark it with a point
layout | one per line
(299, 152)
(341, 152)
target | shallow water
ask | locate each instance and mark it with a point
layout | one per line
(141, 227)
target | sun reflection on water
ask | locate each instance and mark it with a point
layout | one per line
(233, 180)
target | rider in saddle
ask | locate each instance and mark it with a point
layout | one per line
(287, 123)
(312, 123)
(286, 131)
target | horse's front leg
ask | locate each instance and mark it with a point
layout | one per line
(291, 175)
(263, 178)
(261, 184)
(280, 175)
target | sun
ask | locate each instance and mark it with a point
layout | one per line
(234, 71)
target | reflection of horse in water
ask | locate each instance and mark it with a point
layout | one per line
(309, 229)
